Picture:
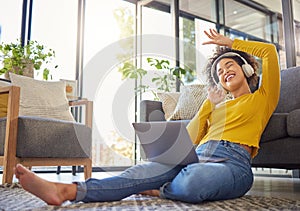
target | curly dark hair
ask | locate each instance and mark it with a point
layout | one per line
(252, 81)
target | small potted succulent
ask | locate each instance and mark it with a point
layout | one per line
(24, 60)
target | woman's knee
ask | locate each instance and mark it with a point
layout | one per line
(187, 186)
(196, 183)
(183, 192)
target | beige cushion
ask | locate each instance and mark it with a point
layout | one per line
(189, 102)
(169, 101)
(42, 98)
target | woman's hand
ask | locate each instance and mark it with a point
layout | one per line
(217, 39)
(216, 95)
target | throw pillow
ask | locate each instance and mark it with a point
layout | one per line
(42, 98)
(3, 100)
(169, 101)
(189, 102)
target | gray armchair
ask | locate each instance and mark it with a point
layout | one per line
(280, 141)
(36, 141)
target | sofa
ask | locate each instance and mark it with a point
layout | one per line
(280, 141)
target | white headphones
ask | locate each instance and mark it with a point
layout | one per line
(247, 68)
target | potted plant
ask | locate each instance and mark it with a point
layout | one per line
(23, 60)
(164, 81)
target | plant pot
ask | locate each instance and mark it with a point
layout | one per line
(27, 70)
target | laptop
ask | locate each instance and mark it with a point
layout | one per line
(168, 142)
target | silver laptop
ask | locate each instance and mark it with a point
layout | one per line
(169, 142)
(166, 142)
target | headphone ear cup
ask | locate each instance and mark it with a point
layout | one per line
(248, 70)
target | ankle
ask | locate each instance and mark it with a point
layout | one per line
(67, 191)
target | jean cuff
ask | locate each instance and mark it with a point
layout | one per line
(161, 190)
(81, 191)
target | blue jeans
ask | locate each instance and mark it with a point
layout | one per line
(194, 183)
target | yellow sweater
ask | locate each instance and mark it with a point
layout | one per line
(243, 119)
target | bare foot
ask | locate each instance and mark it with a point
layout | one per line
(50, 192)
(151, 193)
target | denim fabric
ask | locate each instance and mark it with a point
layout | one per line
(194, 183)
(133, 180)
(212, 181)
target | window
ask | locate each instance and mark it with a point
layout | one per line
(297, 42)
(281, 52)
(54, 24)
(193, 54)
(10, 20)
(157, 42)
(296, 7)
(245, 19)
(107, 42)
(203, 51)
(204, 9)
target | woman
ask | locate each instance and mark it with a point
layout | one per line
(229, 130)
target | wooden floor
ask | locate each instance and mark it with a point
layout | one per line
(270, 184)
(281, 187)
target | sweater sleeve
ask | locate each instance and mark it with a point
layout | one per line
(197, 127)
(270, 84)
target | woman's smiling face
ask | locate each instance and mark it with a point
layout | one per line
(230, 73)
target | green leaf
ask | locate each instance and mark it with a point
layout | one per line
(46, 72)
(130, 71)
(158, 64)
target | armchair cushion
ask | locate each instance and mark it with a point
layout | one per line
(42, 98)
(276, 127)
(293, 123)
(49, 138)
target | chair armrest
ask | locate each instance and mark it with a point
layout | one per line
(11, 130)
(13, 101)
(151, 110)
(4, 89)
(88, 109)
